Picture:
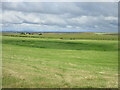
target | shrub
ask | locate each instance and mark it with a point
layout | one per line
(40, 34)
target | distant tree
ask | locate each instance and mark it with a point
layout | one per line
(61, 38)
(22, 33)
(40, 34)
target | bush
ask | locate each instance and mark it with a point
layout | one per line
(40, 34)
(22, 33)
(61, 38)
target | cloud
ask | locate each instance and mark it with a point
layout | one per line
(67, 16)
(60, 0)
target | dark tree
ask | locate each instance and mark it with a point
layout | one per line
(40, 34)
(22, 33)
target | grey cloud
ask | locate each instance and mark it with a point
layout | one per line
(62, 16)
(78, 9)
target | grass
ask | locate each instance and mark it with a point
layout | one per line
(55, 63)
(86, 36)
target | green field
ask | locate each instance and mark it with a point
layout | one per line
(59, 63)
(71, 36)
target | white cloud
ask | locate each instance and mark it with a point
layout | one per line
(11, 17)
(111, 18)
(60, 0)
(60, 16)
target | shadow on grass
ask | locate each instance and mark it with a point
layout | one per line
(62, 45)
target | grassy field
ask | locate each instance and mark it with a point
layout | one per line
(71, 36)
(59, 63)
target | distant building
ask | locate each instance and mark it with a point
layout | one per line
(31, 33)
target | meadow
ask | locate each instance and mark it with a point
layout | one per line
(71, 36)
(90, 62)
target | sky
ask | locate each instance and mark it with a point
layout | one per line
(60, 16)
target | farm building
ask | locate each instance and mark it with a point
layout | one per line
(31, 33)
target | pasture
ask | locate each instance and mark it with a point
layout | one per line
(71, 36)
(59, 63)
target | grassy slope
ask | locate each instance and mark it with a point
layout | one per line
(34, 62)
